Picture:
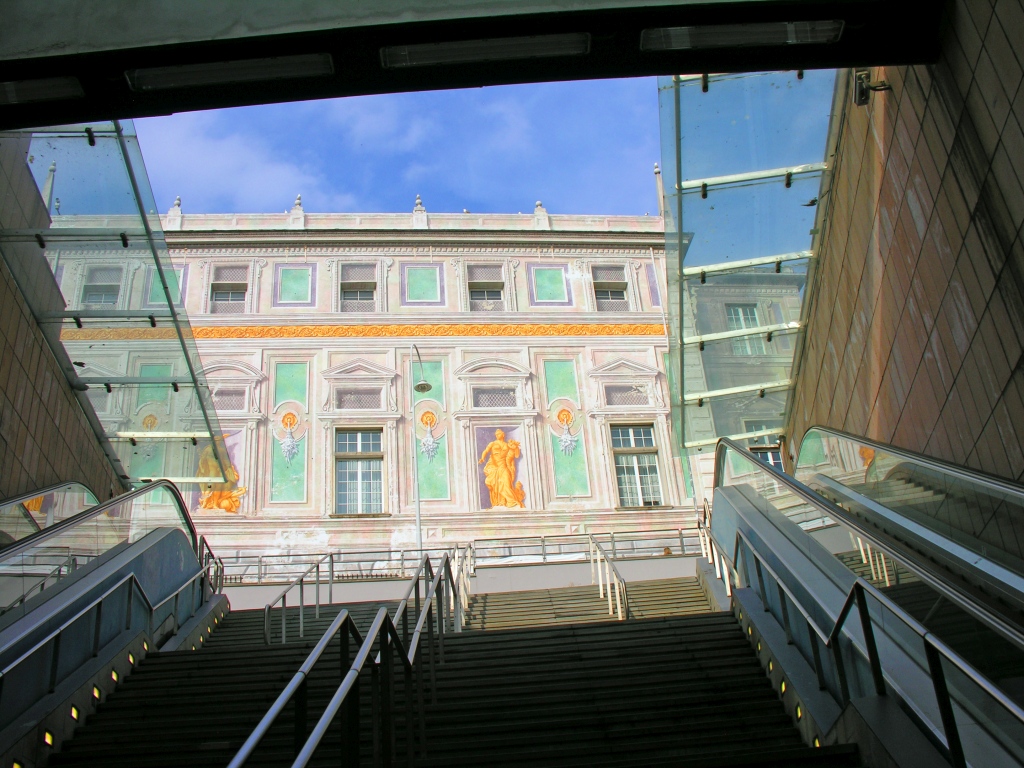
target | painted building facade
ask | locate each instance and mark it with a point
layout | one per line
(541, 337)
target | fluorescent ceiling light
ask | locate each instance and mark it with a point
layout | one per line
(493, 49)
(42, 89)
(741, 35)
(225, 72)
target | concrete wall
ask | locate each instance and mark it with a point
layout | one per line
(45, 437)
(916, 330)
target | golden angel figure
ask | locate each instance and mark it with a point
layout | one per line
(500, 472)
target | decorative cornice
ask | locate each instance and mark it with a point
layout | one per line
(203, 333)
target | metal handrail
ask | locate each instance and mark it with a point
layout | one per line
(68, 561)
(12, 500)
(97, 605)
(56, 529)
(931, 576)
(297, 687)
(443, 587)
(300, 582)
(597, 555)
(934, 647)
(970, 475)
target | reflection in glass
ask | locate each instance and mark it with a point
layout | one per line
(112, 311)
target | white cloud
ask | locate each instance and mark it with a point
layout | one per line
(381, 123)
(187, 155)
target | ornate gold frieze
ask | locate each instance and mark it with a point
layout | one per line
(369, 331)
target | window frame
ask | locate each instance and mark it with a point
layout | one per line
(279, 270)
(359, 456)
(634, 451)
(741, 345)
(532, 269)
(120, 285)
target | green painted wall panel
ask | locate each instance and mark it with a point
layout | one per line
(422, 284)
(148, 459)
(290, 382)
(433, 374)
(154, 393)
(156, 289)
(433, 475)
(549, 284)
(571, 471)
(560, 380)
(295, 282)
(288, 480)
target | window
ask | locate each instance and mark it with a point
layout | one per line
(356, 399)
(229, 399)
(358, 285)
(626, 394)
(359, 473)
(739, 317)
(636, 466)
(494, 398)
(548, 285)
(610, 288)
(294, 285)
(175, 279)
(102, 286)
(228, 289)
(485, 288)
(422, 285)
(765, 447)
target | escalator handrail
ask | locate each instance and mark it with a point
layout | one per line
(56, 529)
(43, 492)
(945, 587)
(975, 476)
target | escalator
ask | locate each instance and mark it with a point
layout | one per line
(923, 556)
(85, 595)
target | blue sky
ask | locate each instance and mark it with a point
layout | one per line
(580, 147)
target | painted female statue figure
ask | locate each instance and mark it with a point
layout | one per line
(500, 472)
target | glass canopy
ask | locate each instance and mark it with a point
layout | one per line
(107, 296)
(744, 159)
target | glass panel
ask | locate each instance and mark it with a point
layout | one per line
(27, 573)
(108, 297)
(549, 284)
(990, 732)
(936, 503)
(27, 514)
(742, 166)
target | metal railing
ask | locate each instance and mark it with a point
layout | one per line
(71, 487)
(91, 619)
(313, 573)
(29, 542)
(443, 603)
(64, 568)
(349, 565)
(565, 548)
(608, 580)
(941, 661)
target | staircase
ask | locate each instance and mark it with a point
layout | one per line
(684, 691)
(186, 708)
(577, 605)
(558, 684)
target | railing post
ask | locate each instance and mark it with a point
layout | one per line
(938, 675)
(869, 639)
(299, 735)
(608, 581)
(266, 626)
(600, 575)
(96, 633)
(55, 661)
(543, 549)
(259, 569)
(614, 554)
(284, 618)
(682, 543)
(318, 589)
(816, 652)
(330, 582)
(430, 644)
(386, 732)
(302, 606)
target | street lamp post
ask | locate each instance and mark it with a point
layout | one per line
(421, 386)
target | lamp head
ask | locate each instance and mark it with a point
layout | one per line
(422, 386)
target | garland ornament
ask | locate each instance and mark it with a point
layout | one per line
(289, 445)
(566, 441)
(429, 444)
